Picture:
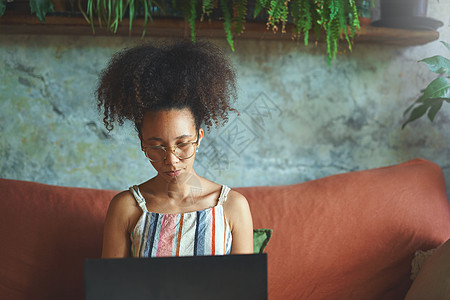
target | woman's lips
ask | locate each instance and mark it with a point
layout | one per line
(173, 173)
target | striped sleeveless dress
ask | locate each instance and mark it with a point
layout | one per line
(204, 232)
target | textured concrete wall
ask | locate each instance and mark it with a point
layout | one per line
(300, 119)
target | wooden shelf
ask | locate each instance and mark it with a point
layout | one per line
(394, 36)
(61, 25)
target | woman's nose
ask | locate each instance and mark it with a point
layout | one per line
(171, 157)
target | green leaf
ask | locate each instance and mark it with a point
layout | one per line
(2, 7)
(435, 107)
(239, 14)
(41, 8)
(437, 64)
(420, 100)
(408, 109)
(227, 23)
(131, 15)
(192, 17)
(207, 7)
(416, 113)
(147, 16)
(446, 44)
(257, 10)
(438, 88)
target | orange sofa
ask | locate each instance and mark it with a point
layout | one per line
(346, 236)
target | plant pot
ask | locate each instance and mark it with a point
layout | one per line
(363, 7)
(406, 14)
(59, 5)
(403, 8)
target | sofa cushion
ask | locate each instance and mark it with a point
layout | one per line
(419, 259)
(433, 280)
(261, 238)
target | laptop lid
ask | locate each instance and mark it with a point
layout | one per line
(194, 277)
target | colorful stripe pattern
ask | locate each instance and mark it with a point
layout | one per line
(204, 232)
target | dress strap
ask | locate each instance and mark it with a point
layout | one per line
(138, 196)
(223, 194)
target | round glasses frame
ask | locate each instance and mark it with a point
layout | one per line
(172, 149)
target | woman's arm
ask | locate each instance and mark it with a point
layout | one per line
(116, 240)
(240, 219)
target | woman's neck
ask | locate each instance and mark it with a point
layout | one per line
(182, 189)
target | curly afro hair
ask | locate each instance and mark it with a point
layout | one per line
(181, 75)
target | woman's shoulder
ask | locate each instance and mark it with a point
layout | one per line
(236, 199)
(236, 204)
(237, 210)
(123, 201)
(124, 210)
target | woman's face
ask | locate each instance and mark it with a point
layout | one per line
(169, 128)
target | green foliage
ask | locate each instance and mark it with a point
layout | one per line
(227, 22)
(41, 8)
(278, 12)
(148, 7)
(446, 44)
(207, 7)
(438, 64)
(434, 95)
(2, 7)
(332, 19)
(192, 16)
(258, 8)
(112, 12)
(302, 18)
(239, 15)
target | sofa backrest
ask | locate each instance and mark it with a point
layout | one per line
(347, 236)
(46, 233)
(353, 235)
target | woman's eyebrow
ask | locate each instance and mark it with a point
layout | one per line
(183, 136)
(154, 139)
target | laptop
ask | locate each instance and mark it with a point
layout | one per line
(229, 277)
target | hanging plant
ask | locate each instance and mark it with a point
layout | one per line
(336, 19)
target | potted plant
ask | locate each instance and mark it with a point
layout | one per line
(436, 93)
(332, 19)
(363, 7)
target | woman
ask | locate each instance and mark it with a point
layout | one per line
(169, 92)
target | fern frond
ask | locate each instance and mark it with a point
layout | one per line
(131, 14)
(284, 12)
(148, 8)
(302, 18)
(227, 22)
(239, 14)
(192, 17)
(207, 8)
(354, 15)
(257, 9)
(274, 14)
(190, 13)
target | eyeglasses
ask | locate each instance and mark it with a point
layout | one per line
(182, 151)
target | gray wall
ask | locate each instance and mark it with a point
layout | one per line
(300, 119)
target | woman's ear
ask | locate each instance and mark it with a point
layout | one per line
(200, 136)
